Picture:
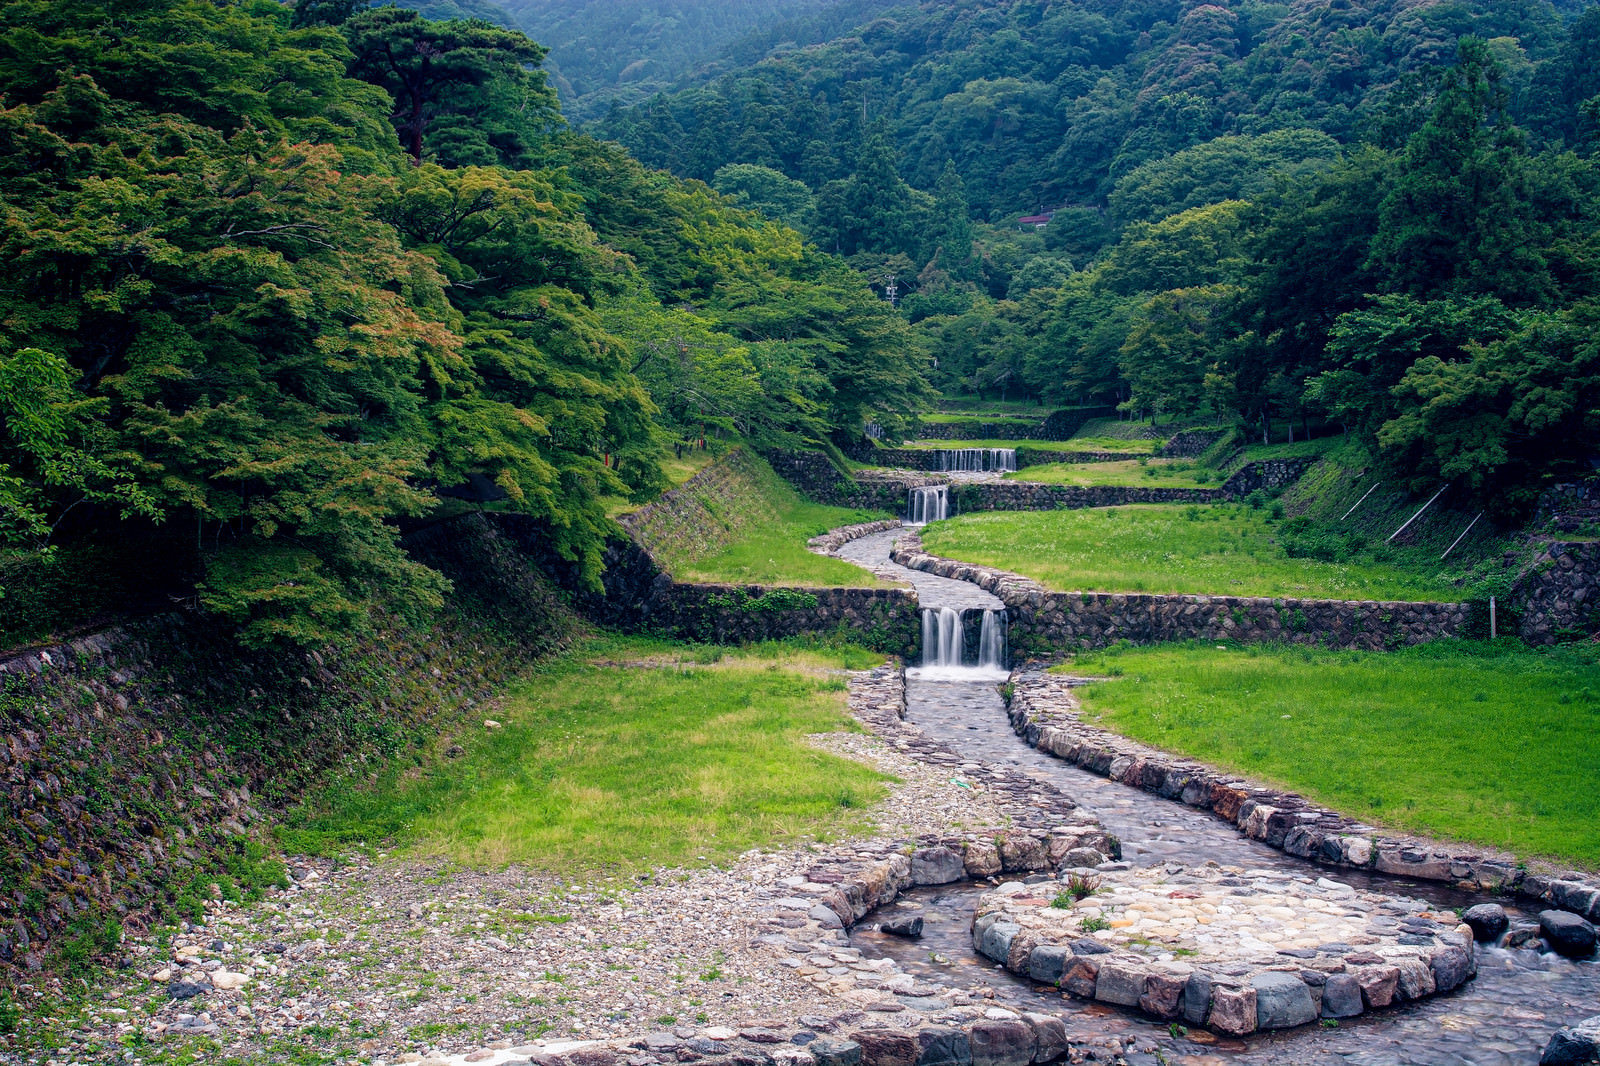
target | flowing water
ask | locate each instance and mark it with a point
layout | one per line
(977, 460)
(1504, 1017)
(927, 503)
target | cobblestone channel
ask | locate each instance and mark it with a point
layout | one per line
(1504, 1016)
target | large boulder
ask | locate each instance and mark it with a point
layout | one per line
(1282, 1000)
(1488, 921)
(1574, 1045)
(1567, 933)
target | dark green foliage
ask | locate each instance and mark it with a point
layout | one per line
(270, 281)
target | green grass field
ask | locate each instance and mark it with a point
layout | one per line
(1130, 445)
(627, 753)
(1163, 473)
(773, 551)
(1493, 744)
(941, 445)
(1221, 549)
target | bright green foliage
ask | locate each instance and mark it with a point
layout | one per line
(231, 301)
(763, 189)
(1487, 743)
(51, 447)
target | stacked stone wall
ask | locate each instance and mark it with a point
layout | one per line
(884, 619)
(1058, 425)
(1044, 713)
(1043, 621)
(1558, 596)
(1191, 443)
(140, 760)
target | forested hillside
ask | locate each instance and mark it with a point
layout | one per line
(606, 53)
(272, 278)
(1370, 215)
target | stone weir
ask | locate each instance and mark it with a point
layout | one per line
(1044, 712)
(1234, 950)
(1044, 621)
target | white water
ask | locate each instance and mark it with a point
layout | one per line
(944, 652)
(930, 503)
(978, 460)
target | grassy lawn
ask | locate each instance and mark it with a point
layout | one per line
(1131, 445)
(627, 753)
(1494, 744)
(1162, 473)
(1222, 549)
(952, 445)
(1314, 448)
(761, 532)
(773, 552)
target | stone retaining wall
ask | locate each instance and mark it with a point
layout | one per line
(138, 761)
(1043, 621)
(1058, 425)
(884, 619)
(1044, 712)
(1191, 443)
(1036, 496)
(815, 477)
(1559, 594)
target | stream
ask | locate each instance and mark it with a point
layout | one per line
(1505, 1016)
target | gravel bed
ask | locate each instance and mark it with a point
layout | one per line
(389, 960)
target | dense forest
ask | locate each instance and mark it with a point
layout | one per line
(1369, 215)
(276, 276)
(273, 277)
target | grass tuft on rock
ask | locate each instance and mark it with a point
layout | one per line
(630, 754)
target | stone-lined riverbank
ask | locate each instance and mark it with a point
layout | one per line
(1235, 950)
(1044, 712)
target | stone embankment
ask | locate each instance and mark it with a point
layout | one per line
(1559, 593)
(704, 514)
(138, 761)
(1044, 712)
(1043, 621)
(1191, 443)
(1058, 425)
(1234, 950)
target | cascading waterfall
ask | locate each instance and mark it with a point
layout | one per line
(992, 643)
(977, 460)
(928, 503)
(942, 638)
(944, 644)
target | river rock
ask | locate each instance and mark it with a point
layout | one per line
(1567, 933)
(909, 926)
(1049, 1035)
(1341, 997)
(1282, 1001)
(1488, 921)
(1233, 1010)
(938, 1046)
(936, 866)
(1046, 963)
(1574, 1045)
(886, 1047)
(835, 1052)
(1002, 1043)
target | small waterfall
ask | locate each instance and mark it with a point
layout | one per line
(992, 644)
(977, 460)
(942, 638)
(928, 503)
(945, 644)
